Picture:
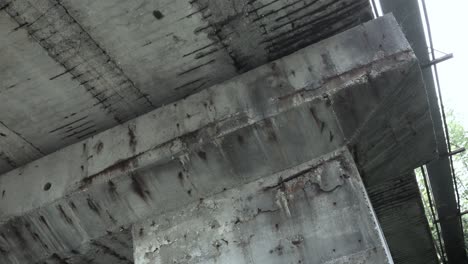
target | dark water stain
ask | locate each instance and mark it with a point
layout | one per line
(132, 137)
(44, 221)
(93, 205)
(58, 259)
(138, 186)
(64, 215)
(240, 139)
(99, 146)
(112, 188)
(202, 154)
(121, 165)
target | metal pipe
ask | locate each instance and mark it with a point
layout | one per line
(438, 60)
(457, 151)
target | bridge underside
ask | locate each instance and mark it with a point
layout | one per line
(276, 124)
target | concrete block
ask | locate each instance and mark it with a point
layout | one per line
(316, 212)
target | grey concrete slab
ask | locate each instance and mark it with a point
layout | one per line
(40, 111)
(76, 68)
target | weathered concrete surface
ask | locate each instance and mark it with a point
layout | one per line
(398, 205)
(274, 117)
(41, 101)
(71, 69)
(317, 212)
(439, 170)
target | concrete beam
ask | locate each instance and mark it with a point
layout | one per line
(439, 170)
(113, 60)
(332, 94)
(316, 212)
(398, 205)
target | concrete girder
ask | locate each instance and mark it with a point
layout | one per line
(112, 60)
(408, 13)
(316, 212)
(398, 205)
(274, 117)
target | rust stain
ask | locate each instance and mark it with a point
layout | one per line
(112, 188)
(138, 186)
(240, 139)
(271, 134)
(109, 251)
(93, 206)
(99, 146)
(180, 176)
(64, 215)
(120, 166)
(278, 250)
(300, 179)
(296, 242)
(111, 218)
(132, 137)
(44, 221)
(318, 122)
(202, 154)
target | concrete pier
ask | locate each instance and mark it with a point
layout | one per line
(316, 212)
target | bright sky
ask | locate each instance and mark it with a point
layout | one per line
(449, 22)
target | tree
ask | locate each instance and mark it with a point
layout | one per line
(458, 140)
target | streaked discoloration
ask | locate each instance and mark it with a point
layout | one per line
(316, 212)
(223, 137)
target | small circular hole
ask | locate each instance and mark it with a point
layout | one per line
(47, 186)
(157, 14)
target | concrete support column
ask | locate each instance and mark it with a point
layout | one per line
(317, 212)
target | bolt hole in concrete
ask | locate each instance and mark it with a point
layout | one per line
(157, 14)
(47, 186)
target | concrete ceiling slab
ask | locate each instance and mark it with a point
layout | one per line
(75, 68)
(39, 107)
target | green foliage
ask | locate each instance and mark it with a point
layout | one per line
(458, 139)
